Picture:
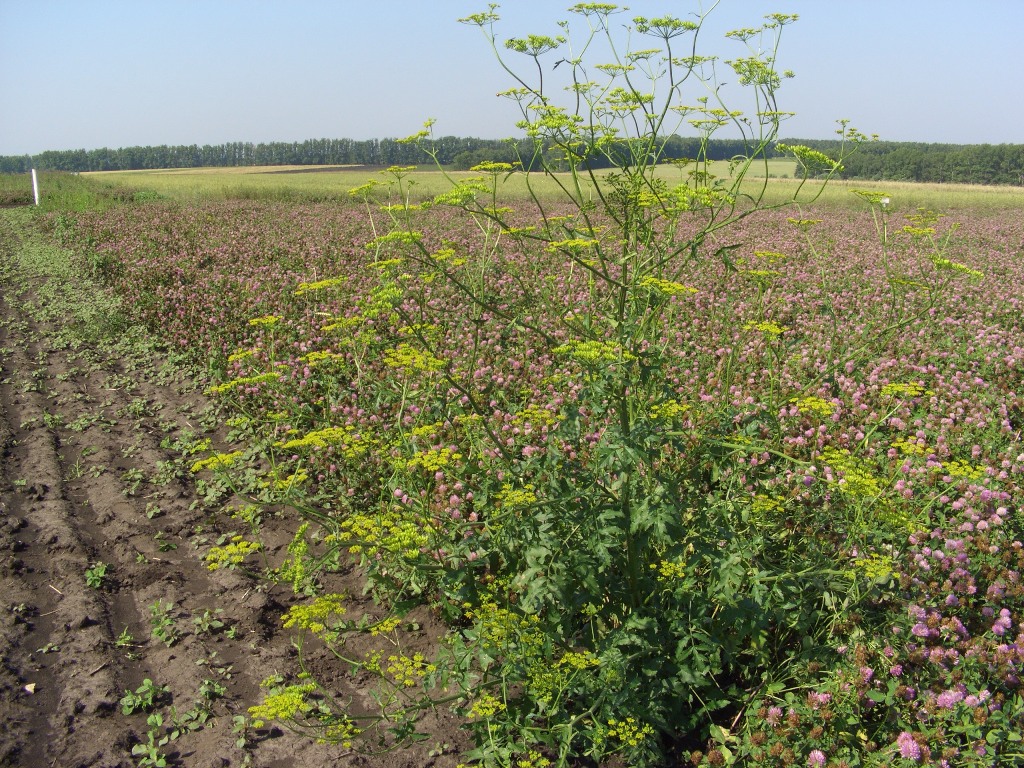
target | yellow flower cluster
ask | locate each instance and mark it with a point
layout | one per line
(533, 759)
(382, 627)
(816, 406)
(511, 498)
(762, 276)
(287, 483)
(352, 445)
(314, 359)
(574, 245)
(406, 356)
(434, 460)
(669, 571)
(245, 381)
(857, 479)
(666, 287)
(320, 285)
(762, 504)
(341, 731)
(388, 532)
(629, 731)
(963, 470)
(267, 321)
(342, 323)
(217, 461)
(486, 706)
(668, 410)
(577, 660)
(895, 518)
(874, 566)
(460, 195)
(408, 670)
(904, 390)
(396, 237)
(536, 416)
(767, 327)
(956, 266)
(594, 352)
(240, 355)
(315, 616)
(910, 447)
(288, 703)
(230, 555)
(771, 257)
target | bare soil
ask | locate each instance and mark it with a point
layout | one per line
(85, 430)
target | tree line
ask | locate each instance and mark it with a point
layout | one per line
(881, 160)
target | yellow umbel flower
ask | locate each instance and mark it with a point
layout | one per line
(315, 615)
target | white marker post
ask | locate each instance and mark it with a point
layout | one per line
(35, 185)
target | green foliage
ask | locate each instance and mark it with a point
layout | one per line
(143, 698)
(94, 576)
(613, 594)
(162, 623)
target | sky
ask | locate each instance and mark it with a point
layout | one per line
(84, 74)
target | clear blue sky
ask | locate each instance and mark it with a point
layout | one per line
(94, 73)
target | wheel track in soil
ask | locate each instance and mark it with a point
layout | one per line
(64, 506)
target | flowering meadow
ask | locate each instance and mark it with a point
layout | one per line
(820, 560)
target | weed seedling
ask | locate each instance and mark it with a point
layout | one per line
(143, 698)
(207, 622)
(162, 624)
(134, 478)
(149, 753)
(211, 689)
(94, 576)
(162, 543)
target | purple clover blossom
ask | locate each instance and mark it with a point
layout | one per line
(774, 716)
(908, 748)
(1003, 623)
(816, 759)
(949, 699)
(816, 699)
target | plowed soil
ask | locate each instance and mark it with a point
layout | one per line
(89, 475)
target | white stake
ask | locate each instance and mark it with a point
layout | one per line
(35, 185)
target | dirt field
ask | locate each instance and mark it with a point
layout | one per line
(91, 415)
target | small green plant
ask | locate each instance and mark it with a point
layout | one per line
(53, 420)
(126, 642)
(134, 478)
(208, 622)
(162, 543)
(166, 473)
(143, 698)
(94, 576)
(162, 623)
(149, 753)
(211, 689)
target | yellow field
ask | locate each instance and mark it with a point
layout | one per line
(333, 182)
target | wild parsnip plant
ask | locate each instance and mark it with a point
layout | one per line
(614, 598)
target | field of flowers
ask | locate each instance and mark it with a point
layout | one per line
(820, 562)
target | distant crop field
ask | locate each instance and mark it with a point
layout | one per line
(323, 183)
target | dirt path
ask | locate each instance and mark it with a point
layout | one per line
(92, 422)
